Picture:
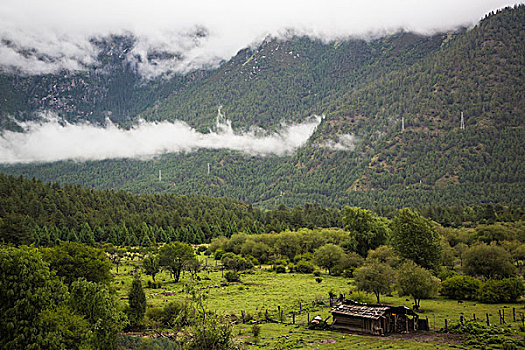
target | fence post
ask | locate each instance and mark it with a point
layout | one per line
(308, 318)
(488, 323)
(474, 317)
(499, 312)
(300, 308)
(461, 319)
(446, 325)
(243, 319)
(503, 315)
(513, 314)
(293, 317)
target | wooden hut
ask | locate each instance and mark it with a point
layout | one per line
(375, 319)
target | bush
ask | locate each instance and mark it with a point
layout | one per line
(318, 279)
(349, 273)
(304, 266)
(361, 297)
(236, 262)
(283, 262)
(317, 273)
(232, 276)
(252, 260)
(280, 269)
(218, 254)
(201, 249)
(306, 256)
(212, 332)
(446, 274)
(501, 291)
(174, 315)
(256, 330)
(154, 285)
(460, 287)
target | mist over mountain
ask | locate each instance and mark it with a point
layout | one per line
(368, 88)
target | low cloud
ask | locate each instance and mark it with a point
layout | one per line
(46, 36)
(345, 142)
(55, 140)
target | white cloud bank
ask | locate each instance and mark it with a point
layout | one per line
(53, 140)
(44, 36)
(346, 142)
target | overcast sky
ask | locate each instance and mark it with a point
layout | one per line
(60, 29)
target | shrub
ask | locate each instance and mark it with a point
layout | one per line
(280, 269)
(154, 285)
(501, 291)
(213, 332)
(176, 314)
(318, 279)
(283, 262)
(446, 274)
(304, 266)
(460, 287)
(349, 273)
(201, 249)
(236, 262)
(256, 330)
(317, 273)
(252, 260)
(361, 297)
(232, 276)
(306, 256)
(218, 254)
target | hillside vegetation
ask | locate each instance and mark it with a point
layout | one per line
(365, 89)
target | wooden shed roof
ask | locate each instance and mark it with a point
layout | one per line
(349, 308)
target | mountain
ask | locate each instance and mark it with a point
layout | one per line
(365, 88)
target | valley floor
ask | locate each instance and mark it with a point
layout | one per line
(264, 291)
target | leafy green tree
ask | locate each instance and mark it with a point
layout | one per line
(100, 308)
(235, 262)
(417, 282)
(414, 237)
(329, 256)
(137, 302)
(75, 260)
(384, 254)
(61, 328)
(461, 287)
(174, 255)
(115, 254)
(27, 289)
(501, 291)
(377, 278)
(150, 265)
(488, 261)
(367, 229)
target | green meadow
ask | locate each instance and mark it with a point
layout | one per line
(263, 291)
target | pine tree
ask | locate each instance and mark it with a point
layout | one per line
(137, 302)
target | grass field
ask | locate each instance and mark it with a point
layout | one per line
(266, 290)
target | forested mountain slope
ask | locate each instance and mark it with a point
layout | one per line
(365, 89)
